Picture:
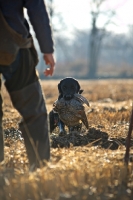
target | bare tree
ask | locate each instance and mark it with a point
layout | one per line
(54, 14)
(97, 34)
(57, 27)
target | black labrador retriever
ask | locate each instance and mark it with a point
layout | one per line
(67, 87)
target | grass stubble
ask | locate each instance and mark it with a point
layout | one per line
(92, 168)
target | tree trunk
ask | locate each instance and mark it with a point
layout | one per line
(93, 51)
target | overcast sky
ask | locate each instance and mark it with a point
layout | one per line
(76, 13)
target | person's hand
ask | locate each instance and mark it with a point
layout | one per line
(49, 60)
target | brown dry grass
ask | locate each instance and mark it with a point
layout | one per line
(93, 171)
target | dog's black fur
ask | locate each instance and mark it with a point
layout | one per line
(67, 88)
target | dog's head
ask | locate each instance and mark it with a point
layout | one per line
(68, 87)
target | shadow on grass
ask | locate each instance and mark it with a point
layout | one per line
(94, 137)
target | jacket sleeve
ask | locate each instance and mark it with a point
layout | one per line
(40, 21)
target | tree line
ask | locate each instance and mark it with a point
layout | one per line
(94, 52)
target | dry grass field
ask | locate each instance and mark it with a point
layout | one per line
(84, 166)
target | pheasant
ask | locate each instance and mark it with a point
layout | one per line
(72, 112)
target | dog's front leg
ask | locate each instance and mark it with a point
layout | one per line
(61, 126)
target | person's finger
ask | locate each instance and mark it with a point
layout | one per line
(49, 71)
(46, 72)
(49, 60)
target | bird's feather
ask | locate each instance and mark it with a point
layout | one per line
(71, 112)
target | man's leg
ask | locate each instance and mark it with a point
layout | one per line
(27, 97)
(1, 128)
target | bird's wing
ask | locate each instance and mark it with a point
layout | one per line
(84, 119)
(82, 99)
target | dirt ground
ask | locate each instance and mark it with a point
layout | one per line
(85, 165)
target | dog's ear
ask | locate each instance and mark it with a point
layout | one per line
(78, 89)
(60, 91)
(59, 88)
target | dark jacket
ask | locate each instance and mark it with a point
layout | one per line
(13, 11)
